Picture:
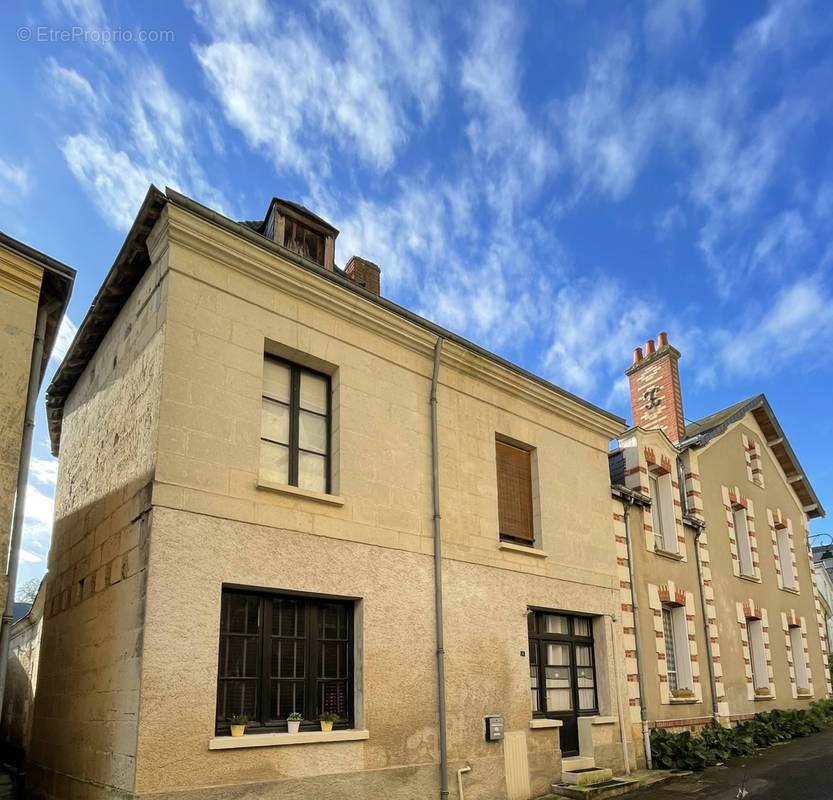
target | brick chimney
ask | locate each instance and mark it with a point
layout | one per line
(363, 272)
(656, 400)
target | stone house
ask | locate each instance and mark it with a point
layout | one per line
(717, 579)
(34, 293)
(279, 491)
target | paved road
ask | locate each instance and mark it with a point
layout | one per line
(798, 770)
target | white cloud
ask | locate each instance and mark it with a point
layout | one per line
(14, 179)
(668, 21)
(45, 470)
(66, 333)
(31, 558)
(302, 99)
(68, 87)
(39, 508)
(595, 325)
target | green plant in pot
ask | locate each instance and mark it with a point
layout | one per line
(327, 719)
(237, 723)
(293, 722)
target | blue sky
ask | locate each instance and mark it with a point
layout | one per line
(557, 181)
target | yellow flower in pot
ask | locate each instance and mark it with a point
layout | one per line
(237, 723)
(327, 719)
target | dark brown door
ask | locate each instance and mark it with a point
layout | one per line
(562, 671)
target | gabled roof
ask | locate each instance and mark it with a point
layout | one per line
(701, 432)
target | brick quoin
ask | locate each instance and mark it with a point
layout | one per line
(656, 399)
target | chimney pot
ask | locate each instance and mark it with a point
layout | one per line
(662, 339)
(649, 347)
(637, 355)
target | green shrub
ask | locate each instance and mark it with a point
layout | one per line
(715, 743)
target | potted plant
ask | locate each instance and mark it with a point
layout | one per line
(293, 722)
(763, 691)
(682, 694)
(327, 719)
(237, 723)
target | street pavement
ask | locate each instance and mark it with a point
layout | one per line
(801, 769)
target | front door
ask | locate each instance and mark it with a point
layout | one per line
(562, 671)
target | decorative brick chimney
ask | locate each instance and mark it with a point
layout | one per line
(363, 272)
(656, 400)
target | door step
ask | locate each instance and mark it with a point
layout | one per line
(595, 791)
(586, 776)
(575, 763)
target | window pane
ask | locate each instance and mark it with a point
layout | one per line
(274, 462)
(333, 697)
(584, 676)
(556, 624)
(276, 380)
(287, 696)
(312, 472)
(314, 393)
(274, 422)
(533, 673)
(559, 700)
(236, 697)
(312, 432)
(332, 622)
(558, 654)
(586, 699)
(582, 626)
(557, 677)
(584, 655)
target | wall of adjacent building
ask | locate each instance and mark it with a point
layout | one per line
(725, 476)
(87, 699)
(20, 282)
(212, 524)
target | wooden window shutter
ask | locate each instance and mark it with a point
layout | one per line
(514, 492)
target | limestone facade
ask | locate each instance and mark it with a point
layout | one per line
(162, 504)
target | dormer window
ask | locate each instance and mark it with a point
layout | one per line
(297, 229)
(304, 241)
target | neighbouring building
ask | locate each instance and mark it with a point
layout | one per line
(21, 680)
(711, 530)
(823, 567)
(34, 293)
(244, 523)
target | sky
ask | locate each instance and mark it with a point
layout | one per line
(556, 181)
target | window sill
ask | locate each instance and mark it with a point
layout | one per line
(276, 739)
(545, 723)
(684, 701)
(808, 695)
(511, 547)
(668, 554)
(752, 578)
(307, 494)
(760, 697)
(790, 589)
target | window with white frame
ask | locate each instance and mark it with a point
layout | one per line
(785, 558)
(662, 513)
(743, 543)
(757, 654)
(802, 680)
(677, 653)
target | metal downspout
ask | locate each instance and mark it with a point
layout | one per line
(438, 574)
(643, 708)
(20, 495)
(706, 629)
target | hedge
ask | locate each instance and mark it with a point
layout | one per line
(715, 744)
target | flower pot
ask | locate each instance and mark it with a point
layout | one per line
(326, 726)
(292, 725)
(237, 730)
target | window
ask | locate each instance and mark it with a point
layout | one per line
(743, 543)
(514, 493)
(785, 558)
(303, 240)
(677, 653)
(295, 426)
(757, 654)
(799, 659)
(284, 653)
(561, 665)
(662, 513)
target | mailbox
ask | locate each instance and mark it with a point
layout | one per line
(494, 729)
